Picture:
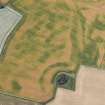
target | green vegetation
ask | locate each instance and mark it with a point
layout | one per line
(74, 32)
(99, 39)
(16, 86)
(90, 55)
(82, 20)
(63, 5)
(99, 25)
(44, 57)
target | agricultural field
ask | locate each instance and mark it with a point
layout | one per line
(53, 36)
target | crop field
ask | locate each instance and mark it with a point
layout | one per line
(54, 36)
